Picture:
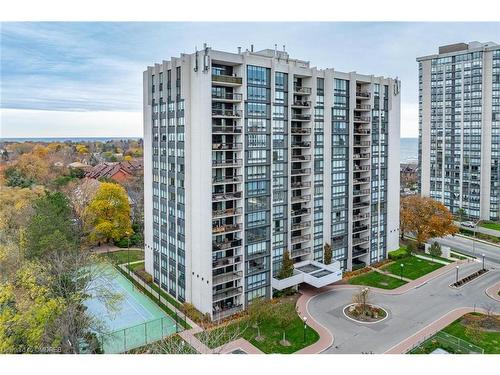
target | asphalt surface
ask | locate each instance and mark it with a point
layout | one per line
(464, 245)
(408, 313)
(479, 229)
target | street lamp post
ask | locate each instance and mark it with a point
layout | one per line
(402, 266)
(128, 251)
(457, 273)
(305, 327)
(483, 261)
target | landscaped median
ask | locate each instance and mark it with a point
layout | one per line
(280, 330)
(397, 272)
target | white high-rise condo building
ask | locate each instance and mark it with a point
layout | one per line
(249, 155)
(459, 128)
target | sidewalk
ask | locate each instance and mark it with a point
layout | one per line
(493, 291)
(430, 330)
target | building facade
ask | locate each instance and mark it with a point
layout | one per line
(459, 128)
(249, 155)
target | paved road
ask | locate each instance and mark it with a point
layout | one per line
(408, 313)
(491, 252)
(491, 232)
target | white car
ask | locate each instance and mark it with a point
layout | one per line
(468, 224)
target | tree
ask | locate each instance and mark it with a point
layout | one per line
(327, 251)
(135, 190)
(425, 218)
(283, 315)
(435, 249)
(286, 266)
(50, 226)
(258, 311)
(15, 178)
(362, 298)
(461, 214)
(107, 217)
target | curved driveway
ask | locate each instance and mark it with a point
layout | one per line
(408, 312)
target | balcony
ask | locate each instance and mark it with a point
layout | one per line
(301, 225)
(301, 212)
(300, 171)
(220, 197)
(361, 168)
(227, 179)
(216, 214)
(361, 119)
(301, 158)
(357, 241)
(300, 239)
(225, 129)
(226, 113)
(301, 117)
(362, 143)
(363, 94)
(227, 293)
(301, 184)
(305, 144)
(361, 192)
(227, 96)
(359, 253)
(226, 277)
(363, 107)
(226, 228)
(301, 90)
(226, 146)
(301, 198)
(225, 312)
(296, 130)
(226, 261)
(360, 217)
(361, 156)
(301, 104)
(360, 205)
(223, 80)
(358, 181)
(359, 228)
(226, 163)
(361, 131)
(300, 252)
(226, 244)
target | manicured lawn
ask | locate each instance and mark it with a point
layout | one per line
(491, 225)
(489, 339)
(413, 267)
(269, 330)
(377, 280)
(121, 257)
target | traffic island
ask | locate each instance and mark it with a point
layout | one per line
(365, 313)
(460, 283)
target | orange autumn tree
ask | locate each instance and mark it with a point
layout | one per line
(425, 218)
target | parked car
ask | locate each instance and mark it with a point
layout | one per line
(468, 224)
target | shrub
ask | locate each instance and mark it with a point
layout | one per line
(193, 313)
(435, 250)
(401, 253)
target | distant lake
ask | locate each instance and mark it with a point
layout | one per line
(62, 139)
(408, 150)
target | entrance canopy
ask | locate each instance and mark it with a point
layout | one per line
(312, 273)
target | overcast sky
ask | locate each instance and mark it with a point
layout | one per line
(85, 79)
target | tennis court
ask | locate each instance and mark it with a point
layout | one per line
(135, 321)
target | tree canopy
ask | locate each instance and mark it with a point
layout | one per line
(107, 216)
(425, 218)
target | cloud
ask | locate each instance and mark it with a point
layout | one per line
(22, 123)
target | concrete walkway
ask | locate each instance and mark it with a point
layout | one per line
(111, 248)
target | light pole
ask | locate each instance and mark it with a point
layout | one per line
(457, 273)
(483, 262)
(305, 327)
(128, 251)
(402, 266)
(474, 238)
